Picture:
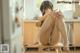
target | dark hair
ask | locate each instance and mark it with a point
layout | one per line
(46, 5)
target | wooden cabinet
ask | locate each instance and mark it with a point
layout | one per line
(76, 33)
(30, 31)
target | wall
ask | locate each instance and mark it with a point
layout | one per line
(0, 22)
(6, 21)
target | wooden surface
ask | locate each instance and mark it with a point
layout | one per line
(76, 34)
(51, 52)
(30, 32)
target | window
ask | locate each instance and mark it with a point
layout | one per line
(66, 8)
(31, 8)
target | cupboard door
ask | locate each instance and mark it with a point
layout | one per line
(76, 34)
(30, 33)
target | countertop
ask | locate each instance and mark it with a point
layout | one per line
(73, 20)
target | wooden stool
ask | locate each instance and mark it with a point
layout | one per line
(41, 47)
(56, 47)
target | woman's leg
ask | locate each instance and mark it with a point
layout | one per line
(45, 30)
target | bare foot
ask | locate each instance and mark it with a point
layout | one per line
(66, 49)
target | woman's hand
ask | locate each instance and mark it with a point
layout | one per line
(40, 20)
(58, 14)
(38, 23)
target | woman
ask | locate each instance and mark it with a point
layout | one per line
(52, 26)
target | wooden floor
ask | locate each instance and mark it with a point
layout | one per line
(72, 50)
(52, 52)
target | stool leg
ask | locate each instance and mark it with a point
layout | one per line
(40, 50)
(58, 50)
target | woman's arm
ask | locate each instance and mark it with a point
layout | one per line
(41, 20)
